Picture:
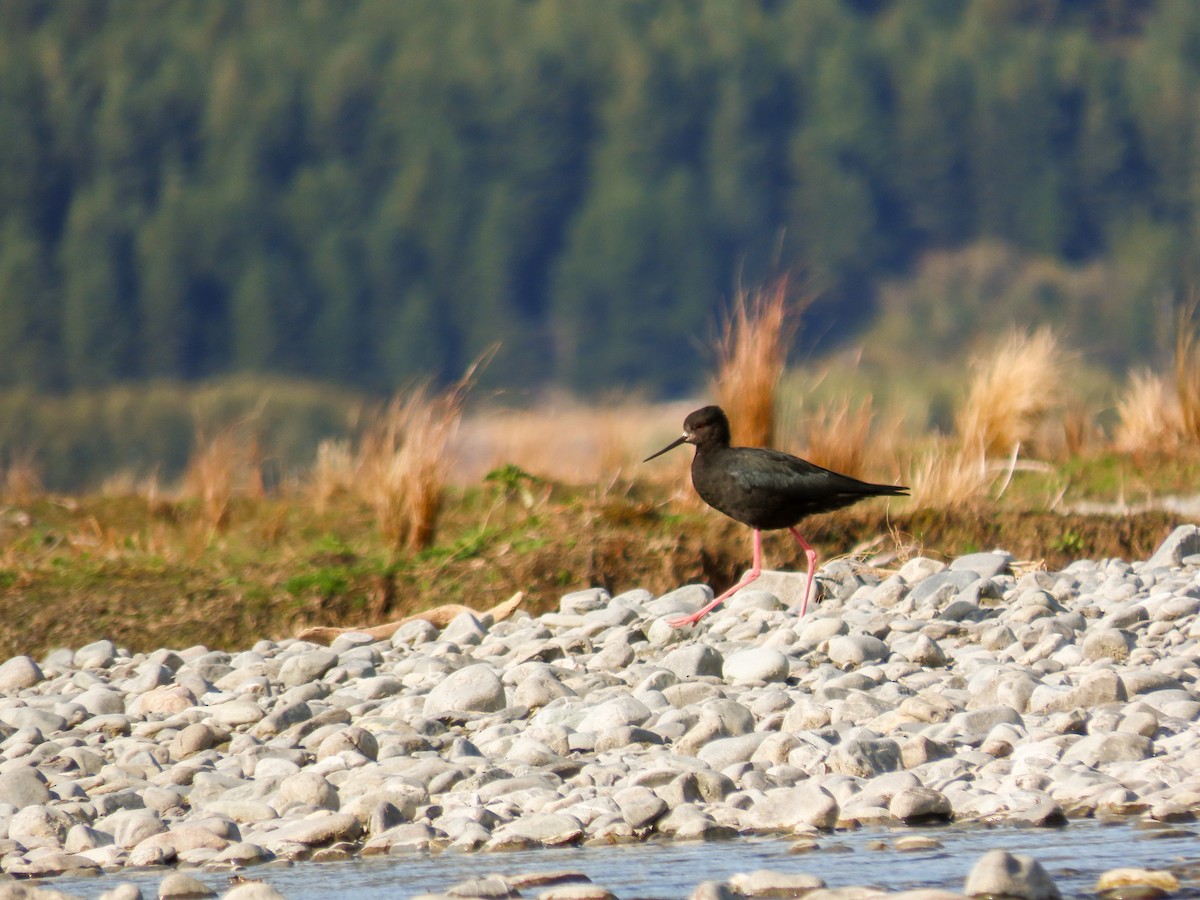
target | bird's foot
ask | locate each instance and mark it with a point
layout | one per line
(692, 619)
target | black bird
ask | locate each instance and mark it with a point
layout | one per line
(765, 489)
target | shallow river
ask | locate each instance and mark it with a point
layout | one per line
(1074, 856)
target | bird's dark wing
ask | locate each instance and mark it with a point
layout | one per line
(775, 489)
(787, 475)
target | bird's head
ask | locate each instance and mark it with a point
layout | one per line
(705, 427)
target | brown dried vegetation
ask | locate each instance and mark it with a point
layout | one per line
(752, 353)
(385, 525)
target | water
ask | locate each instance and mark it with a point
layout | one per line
(1074, 856)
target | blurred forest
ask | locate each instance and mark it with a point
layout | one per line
(361, 192)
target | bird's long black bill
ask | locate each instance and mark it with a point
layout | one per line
(671, 446)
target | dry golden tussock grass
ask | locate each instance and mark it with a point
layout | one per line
(1158, 416)
(1149, 417)
(404, 462)
(1008, 399)
(222, 465)
(1079, 434)
(838, 436)
(1187, 371)
(21, 481)
(951, 476)
(752, 352)
(402, 466)
(1010, 392)
(128, 483)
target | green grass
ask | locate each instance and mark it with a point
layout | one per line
(1070, 542)
(150, 573)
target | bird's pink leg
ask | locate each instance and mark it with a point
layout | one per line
(812, 567)
(755, 571)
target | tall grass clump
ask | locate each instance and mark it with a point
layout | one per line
(20, 479)
(1010, 394)
(1149, 417)
(1157, 415)
(1187, 372)
(1011, 391)
(752, 351)
(838, 436)
(405, 461)
(950, 476)
(222, 465)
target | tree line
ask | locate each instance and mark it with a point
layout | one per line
(365, 191)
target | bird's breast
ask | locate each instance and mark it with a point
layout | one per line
(754, 501)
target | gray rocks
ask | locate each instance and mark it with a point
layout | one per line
(307, 666)
(1109, 643)
(539, 829)
(693, 660)
(985, 565)
(615, 713)
(307, 789)
(1002, 874)
(764, 883)
(236, 713)
(314, 831)
(23, 787)
(756, 665)
(961, 693)
(1183, 541)
(19, 672)
(865, 757)
(1129, 883)
(795, 809)
(855, 650)
(920, 805)
(1096, 749)
(639, 806)
(472, 689)
(284, 716)
(179, 886)
(97, 655)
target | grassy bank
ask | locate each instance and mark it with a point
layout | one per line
(150, 572)
(283, 509)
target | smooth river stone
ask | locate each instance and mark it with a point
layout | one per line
(856, 649)
(24, 787)
(306, 789)
(999, 873)
(18, 673)
(96, 655)
(474, 688)
(755, 665)
(163, 701)
(693, 660)
(795, 809)
(306, 667)
(626, 710)
(312, 831)
(236, 713)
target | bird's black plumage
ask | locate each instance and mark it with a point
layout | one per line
(765, 489)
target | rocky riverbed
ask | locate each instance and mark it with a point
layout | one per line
(979, 691)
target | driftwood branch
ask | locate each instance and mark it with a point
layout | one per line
(441, 616)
